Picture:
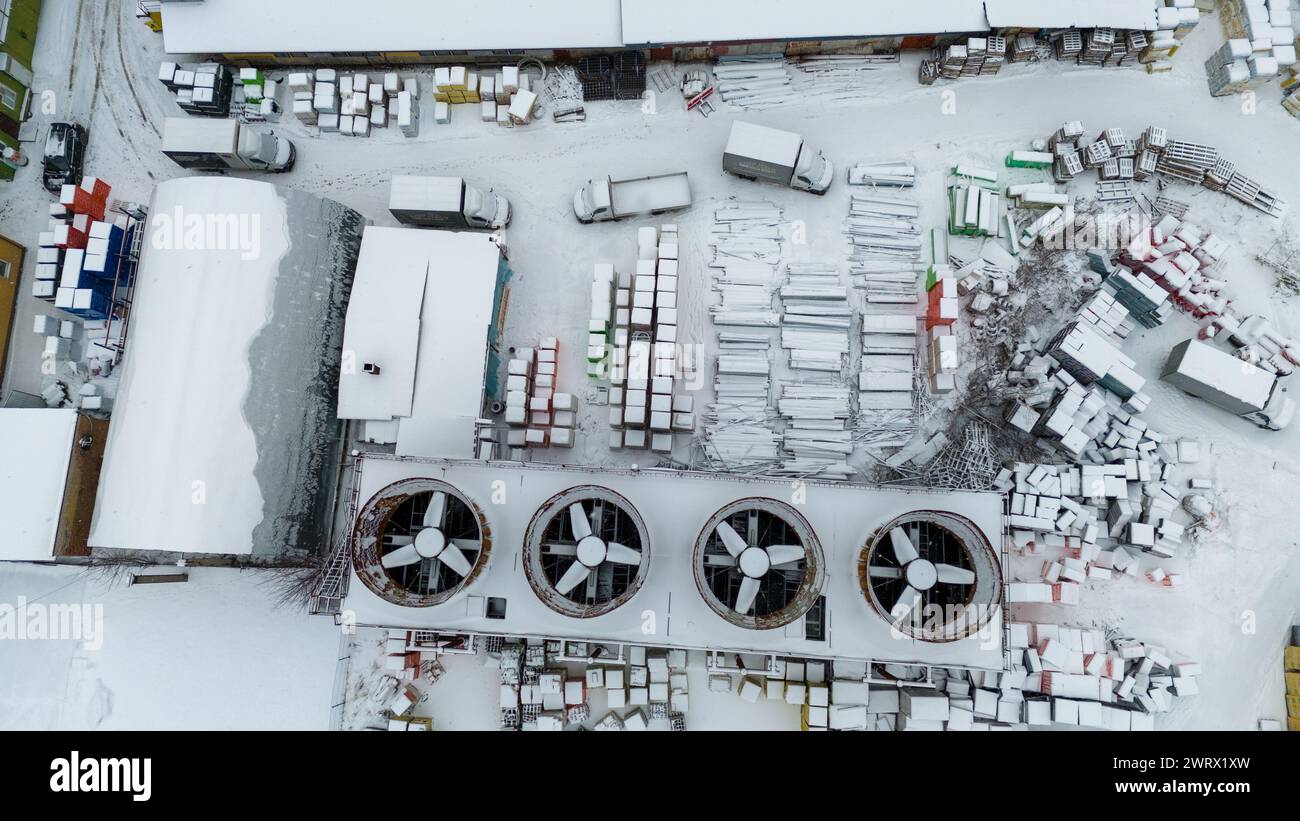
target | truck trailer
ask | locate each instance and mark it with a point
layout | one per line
(446, 202)
(206, 144)
(1233, 384)
(611, 199)
(756, 152)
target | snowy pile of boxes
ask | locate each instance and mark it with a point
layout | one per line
(259, 92)
(1094, 521)
(1186, 262)
(504, 97)
(1264, 52)
(641, 345)
(1175, 19)
(81, 256)
(203, 89)
(538, 692)
(353, 104)
(537, 414)
(1071, 676)
(1181, 259)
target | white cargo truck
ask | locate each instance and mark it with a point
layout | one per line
(611, 199)
(446, 202)
(208, 144)
(1233, 384)
(756, 152)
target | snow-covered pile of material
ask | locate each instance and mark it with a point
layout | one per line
(747, 250)
(545, 686)
(1118, 159)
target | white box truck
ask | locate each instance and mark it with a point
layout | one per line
(208, 144)
(756, 152)
(1231, 383)
(446, 202)
(611, 199)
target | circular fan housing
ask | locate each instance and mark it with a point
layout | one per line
(917, 593)
(398, 518)
(586, 552)
(760, 564)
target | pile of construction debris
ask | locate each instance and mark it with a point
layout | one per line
(539, 691)
(1118, 161)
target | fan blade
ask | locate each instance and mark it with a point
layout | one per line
(401, 557)
(730, 539)
(785, 553)
(720, 560)
(561, 550)
(621, 554)
(903, 549)
(472, 545)
(437, 507)
(578, 519)
(575, 575)
(748, 592)
(954, 575)
(885, 572)
(398, 541)
(910, 598)
(453, 558)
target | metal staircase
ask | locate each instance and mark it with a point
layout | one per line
(328, 598)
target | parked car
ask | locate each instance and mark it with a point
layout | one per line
(65, 156)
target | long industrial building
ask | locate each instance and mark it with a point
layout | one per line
(411, 31)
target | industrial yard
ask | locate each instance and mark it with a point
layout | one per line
(973, 413)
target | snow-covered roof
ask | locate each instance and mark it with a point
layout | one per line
(1122, 14)
(222, 432)
(257, 26)
(421, 310)
(686, 21)
(675, 506)
(37, 446)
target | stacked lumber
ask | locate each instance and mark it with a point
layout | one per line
(738, 431)
(883, 227)
(754, 82)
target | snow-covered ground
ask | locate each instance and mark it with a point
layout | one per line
(1241, 588)
(211, 653)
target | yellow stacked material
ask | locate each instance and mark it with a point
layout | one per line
(1293, 724)
(442, 84)
(1293, 706)
(1292, 659)
(1293, 684)
(471, 88)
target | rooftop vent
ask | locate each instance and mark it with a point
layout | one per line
(587, 551)
(420, 541)
(758, 564)
(932, 575)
